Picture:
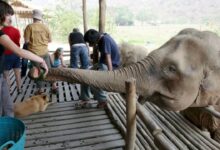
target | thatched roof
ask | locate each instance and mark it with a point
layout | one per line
(21, 9)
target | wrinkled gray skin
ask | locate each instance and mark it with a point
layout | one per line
(183, 72)
(204, 120)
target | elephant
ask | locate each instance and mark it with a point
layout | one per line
(204, 120)
(130, 53)
(184, 72)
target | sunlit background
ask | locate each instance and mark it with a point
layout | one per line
(144, 22)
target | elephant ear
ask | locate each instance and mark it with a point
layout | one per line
(210, 83)
(209, 89)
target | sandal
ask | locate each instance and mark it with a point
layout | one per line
(102, 105)
(84, 104)
(55, 91)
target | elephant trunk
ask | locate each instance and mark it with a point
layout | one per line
(113, 81)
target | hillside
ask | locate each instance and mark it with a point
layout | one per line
(171, 11)
(174, 11)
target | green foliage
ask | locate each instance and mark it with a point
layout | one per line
(160, 19)
(62, 22)
(124, 16)
(93, 18)
(144, 15)
(110, 24)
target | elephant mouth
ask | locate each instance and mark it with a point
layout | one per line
(163, 101)
(165, 97)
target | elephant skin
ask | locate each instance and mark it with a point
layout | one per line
(203, 120)
(182, 73)
(131, 53)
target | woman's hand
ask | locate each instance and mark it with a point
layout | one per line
(44, 65)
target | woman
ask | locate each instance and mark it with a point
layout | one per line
(57, 58)
(12, 61)
(56, 61)
(6, 104)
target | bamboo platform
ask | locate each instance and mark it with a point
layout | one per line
(182, 134)
(64, 127)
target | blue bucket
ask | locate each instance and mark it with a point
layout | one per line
(12, 133)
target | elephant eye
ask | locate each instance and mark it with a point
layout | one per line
(170, 71)
(172, 68)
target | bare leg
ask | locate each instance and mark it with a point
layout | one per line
(7, 103)
(6, 76)
(54, 88)
(17, 72)
(54, 85)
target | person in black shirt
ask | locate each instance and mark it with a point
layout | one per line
(6, 104)
(79, 52)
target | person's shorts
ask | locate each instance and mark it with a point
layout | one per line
(46, 59)
(12, 62)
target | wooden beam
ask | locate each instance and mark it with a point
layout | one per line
(102, 13)
(131, 113)
(84, 9)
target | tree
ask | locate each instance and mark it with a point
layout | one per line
(145, 16)
(124, 16)
(62, 21)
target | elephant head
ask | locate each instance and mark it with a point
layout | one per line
(184, 72)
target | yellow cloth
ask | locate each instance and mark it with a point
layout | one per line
(38, 37)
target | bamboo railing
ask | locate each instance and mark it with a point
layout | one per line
(133, 108)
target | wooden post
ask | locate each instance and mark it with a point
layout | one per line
(102, 12)
(102, 9)
(84, 9)
(131, 113)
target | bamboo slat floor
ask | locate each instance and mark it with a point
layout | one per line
(67, 92)
(63, 126)
(179, 131)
